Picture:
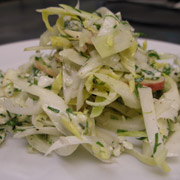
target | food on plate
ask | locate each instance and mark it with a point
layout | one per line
(91, 83)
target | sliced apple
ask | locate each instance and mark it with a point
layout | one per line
(39, 65)
(57, 57)
(155, 85)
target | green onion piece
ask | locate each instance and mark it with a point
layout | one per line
(99, 143)
(53, 109)
(156, 143)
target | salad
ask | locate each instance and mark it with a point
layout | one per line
(91, 83)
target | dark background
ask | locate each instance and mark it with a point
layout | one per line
(158, 19)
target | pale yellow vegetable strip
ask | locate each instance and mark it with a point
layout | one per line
(146, 100)
(122, 89)
(96, 111)
(57, 84)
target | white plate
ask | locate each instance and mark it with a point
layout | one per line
(17, 164)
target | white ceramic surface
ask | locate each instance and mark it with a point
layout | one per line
(17, 164)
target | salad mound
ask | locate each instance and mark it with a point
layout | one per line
(96, 87)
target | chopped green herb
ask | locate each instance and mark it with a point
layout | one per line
(35, 81)
(164, 137)
(66, 36)
(19, 130)
(17, 90)
(124, 22)
(138, 80)
(2, 115)
(115, 26)
(69, 111)
(99, 143)
(53, 109)
(138, 85)
(84, 55)
(141, 138)
(98, 26)
(48, 87)
(169, 125)
(99, 14)
(50, 142)
(152, 53)
(102, 83)
(121, 131)
(14, 122)
(167, 70)
(136, 67)
(9, 84)
(112, 17)
(87, 125)
(95, 80)
(35, 71)
(37, 58)
(138, 34)
(156, 143)
(32, 82)
(9, 114)
(175, 119)
(147, 72)
(80, 20)
(98, 83)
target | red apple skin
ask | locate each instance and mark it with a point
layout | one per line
(155, 85)
(44, 68)
(57, 57)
